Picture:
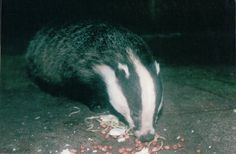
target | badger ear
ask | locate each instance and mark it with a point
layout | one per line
(157, 66)
(125, 69)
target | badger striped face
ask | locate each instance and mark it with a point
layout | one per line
(132, 91)
(148, 96)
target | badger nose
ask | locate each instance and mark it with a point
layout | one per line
(147, 138)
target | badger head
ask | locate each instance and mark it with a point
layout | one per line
(134, 91)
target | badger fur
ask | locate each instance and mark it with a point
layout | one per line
(100, 64)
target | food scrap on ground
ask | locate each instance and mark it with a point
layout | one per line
(75, 112)
(109, 127)
(67, 151)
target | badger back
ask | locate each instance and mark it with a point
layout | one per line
(90, 53)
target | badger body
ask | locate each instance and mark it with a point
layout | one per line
(100, 64)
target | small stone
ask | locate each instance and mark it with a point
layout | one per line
(36, 118)
(178, 137)
(198, 151)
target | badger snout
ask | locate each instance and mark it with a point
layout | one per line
(145, 136)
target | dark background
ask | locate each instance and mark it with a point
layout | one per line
(194, 41)
(183, 31)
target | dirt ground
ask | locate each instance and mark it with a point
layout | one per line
(200, 106)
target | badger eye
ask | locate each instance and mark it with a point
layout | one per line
(124, 69)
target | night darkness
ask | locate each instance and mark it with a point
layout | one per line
(46, 110)
(197, 32)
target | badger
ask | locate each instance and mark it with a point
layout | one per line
(102, 65)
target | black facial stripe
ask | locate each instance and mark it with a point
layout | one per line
(132, 91)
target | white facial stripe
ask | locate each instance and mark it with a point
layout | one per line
(157, 68)
(161, 104)
(125, 68)
(148, 95)
(116, 96)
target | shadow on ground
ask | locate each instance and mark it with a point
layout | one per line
(200, 106)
